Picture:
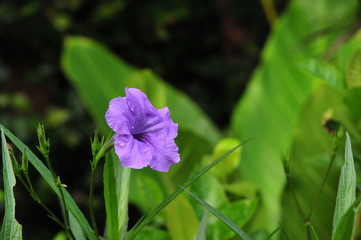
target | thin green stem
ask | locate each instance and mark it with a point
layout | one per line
(28, 186)
(60, 188)
(317, 198)
(318, 194)
(91, 203)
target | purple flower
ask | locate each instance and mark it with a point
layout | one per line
(144, 135)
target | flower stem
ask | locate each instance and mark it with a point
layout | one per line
(91, 203)
(28, 186)
(317, 197)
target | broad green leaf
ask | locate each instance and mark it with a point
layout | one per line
(353, 74)
(239, 212)
(99, 76)
(136, 229)
(45, 173)
(110, 197)
(324, 71)
(187, 225)
(10, 229)
(220, 216)
(271, 106)
(346, 193)
(150, 233)
(346, 227)
(145, 191)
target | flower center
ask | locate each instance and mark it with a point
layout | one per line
(138, 136)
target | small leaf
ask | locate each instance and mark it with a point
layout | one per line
(346, 194)
(220, 216)
(10, 229)
(231, 163)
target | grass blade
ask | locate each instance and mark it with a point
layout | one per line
(45, 173)
(11, 229)
(137, 228)
(220, 216)
(202, 233)
(346, 194)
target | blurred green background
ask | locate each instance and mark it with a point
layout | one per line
(207, 49)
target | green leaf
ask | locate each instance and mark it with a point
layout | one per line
(99, 76)
(239, 212)
(309, 158)
(346, 226)
(151, 233)
(202, 232)
(221, 217)
(272, 103)
(346, 194)
(10, 229)
(324, 71)
(186, 225)
(136, 229)
(353, 74)
(45, 173)
(110, 197)
(122, 178)
(231, 163)
(75, 228)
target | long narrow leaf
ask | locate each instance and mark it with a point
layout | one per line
(133, 232)
(346, 194)
(122, 177)
(75, 228)
(45, 173)
(110, 197)
(11, 229)
(220, 216)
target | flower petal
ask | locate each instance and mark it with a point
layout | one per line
(169, 125)
(117, 116)
(131, 152)
(165, 154)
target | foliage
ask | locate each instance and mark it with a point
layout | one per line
(294, 180)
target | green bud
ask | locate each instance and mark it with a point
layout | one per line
(59, 183)
(44, 143)
(95, 143)
(104, 146)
